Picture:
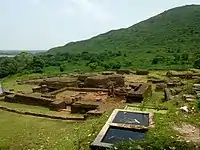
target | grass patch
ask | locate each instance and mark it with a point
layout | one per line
(24, 132)
(37, 109)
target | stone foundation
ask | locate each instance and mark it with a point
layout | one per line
(83, 107)
(28, 100)
(102, 81)
(58, 105)
(140, 93)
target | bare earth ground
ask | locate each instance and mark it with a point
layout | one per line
(189, 132)
(105, 103)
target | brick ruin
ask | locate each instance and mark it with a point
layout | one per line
(90, 90)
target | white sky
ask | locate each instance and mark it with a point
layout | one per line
(43, 24)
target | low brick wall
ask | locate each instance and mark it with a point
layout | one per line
(41, 115)
(83, 107)
(27, 99)
(156, 81)
(87, 89)
(43, 101)
(78, 89)
(187, 75)
(32, 100)
(8, 92)
(103, 81)
(94, 113)
(36, 89)
(123, 71)
(9, 98)
(142, 72)
(57, 91)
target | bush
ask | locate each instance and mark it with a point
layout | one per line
(93, 66)
(62, 68)
(157, 59)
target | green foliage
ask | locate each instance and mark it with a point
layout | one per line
(185, 56)
(198, 105)
(62, 68)
(197, 64)
(23, 59)
(174, 31)
(37, 65)
(93, 66)
(8, 66)
(157, 143)
(157, 59)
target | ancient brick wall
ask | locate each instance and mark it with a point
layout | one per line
(29, 100)
(103, 81)
(83, 107)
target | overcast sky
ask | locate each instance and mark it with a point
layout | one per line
(43, 24)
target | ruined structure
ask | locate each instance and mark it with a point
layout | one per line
(167, 94)
(160, 87)
(183, 75)
(102, 81)
(84, 93)
(139, 92)
(83, 107)
(142, 72)
(28, 99)
(123, 71)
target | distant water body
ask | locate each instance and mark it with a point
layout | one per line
(7, 55)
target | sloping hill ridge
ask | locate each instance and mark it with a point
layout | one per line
(178, 28)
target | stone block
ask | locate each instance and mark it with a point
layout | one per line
(83, 107)
(57, 105)
(142, 72)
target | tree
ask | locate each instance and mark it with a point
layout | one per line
(93, 66)
(197, 64)
(115, 65)
(157, 59)
(106, 66)
(62, 68)
(37, 65)
(8, 66)
(185, 56)
(23, 59)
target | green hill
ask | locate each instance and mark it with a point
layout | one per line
(175, 30)
(170, 40)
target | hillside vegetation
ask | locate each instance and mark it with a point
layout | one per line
(167, 41)
(177, 29)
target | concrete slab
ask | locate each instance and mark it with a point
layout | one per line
(118, 130)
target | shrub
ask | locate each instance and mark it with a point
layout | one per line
(93, 66)
(62, 68)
